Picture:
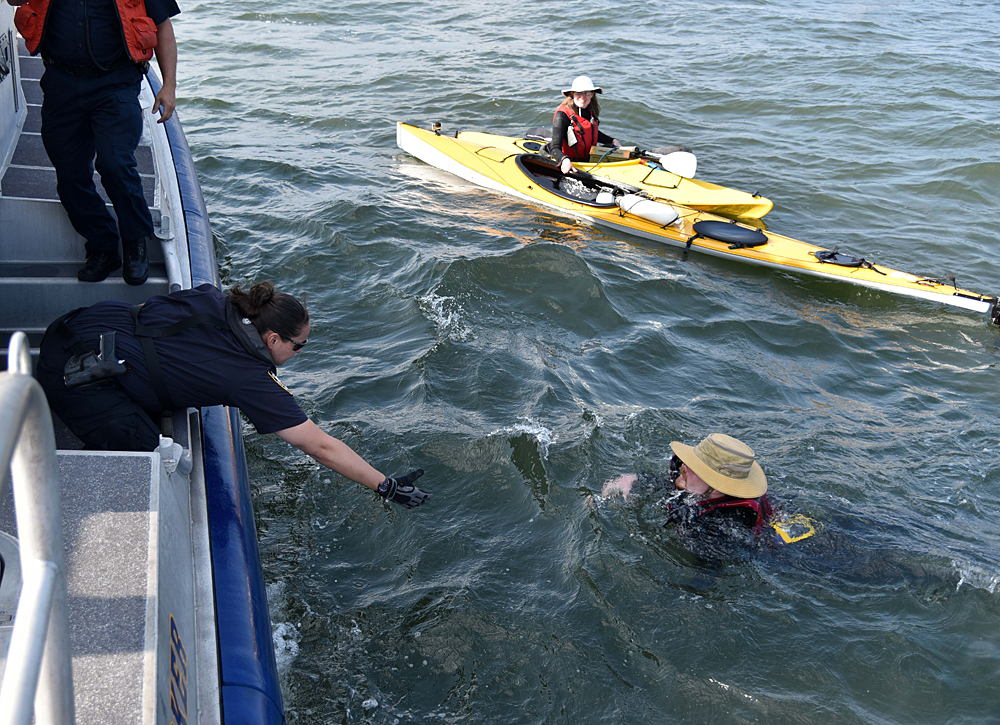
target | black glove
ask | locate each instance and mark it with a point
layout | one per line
(402, 491)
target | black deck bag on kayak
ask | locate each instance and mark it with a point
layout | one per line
(737, 236)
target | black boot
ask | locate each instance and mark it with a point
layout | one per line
(136, 268)
(99, 265)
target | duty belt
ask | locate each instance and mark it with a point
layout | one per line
(90, 71)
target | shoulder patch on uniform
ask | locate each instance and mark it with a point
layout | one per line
(275, 379)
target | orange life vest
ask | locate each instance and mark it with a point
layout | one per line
(138, 29)
(586, 134)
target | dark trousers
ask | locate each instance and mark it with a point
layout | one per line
(104, 417)
(82, 117)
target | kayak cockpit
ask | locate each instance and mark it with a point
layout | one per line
(579, 187)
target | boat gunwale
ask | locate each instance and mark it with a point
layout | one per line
(249, 686)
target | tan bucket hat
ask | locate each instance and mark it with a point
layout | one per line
(725, 464)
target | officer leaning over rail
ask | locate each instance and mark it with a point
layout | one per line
(96, 53)
(191, 349)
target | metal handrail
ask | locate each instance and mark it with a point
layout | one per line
(19, 354)
(38, 678)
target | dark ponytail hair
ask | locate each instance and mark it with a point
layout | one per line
(270, 310)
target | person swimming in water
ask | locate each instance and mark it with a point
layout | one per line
(717, 483)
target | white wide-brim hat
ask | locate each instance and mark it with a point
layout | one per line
(581, 84)
(725, 464)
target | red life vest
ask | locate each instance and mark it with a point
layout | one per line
(586, 134)
(138, 29)
(757, 509)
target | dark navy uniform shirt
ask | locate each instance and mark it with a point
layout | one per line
(202, 365)
(70, 21)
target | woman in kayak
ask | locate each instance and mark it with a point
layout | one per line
(575, 125)
(717, 481)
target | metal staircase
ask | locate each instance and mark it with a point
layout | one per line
(39, 249)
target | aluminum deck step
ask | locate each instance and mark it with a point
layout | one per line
(138, 583)
(107, 519)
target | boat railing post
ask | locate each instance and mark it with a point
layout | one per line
(38, 678)
(19, 354)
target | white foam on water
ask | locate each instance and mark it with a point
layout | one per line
(592, 421)
(285, 635)
(544, 436)
(276, 598)
(727, 688)
(355, 631)
(446, 314)
(975, 576)
(286, 644)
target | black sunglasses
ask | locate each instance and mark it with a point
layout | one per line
(296, 346)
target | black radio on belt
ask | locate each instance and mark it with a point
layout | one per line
(92, 368)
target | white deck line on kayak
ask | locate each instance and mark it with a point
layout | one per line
(430, 155)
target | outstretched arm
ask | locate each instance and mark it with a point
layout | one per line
(338, 456)
(332, 453)
(621, 485)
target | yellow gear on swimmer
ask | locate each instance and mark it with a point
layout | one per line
(795, 528)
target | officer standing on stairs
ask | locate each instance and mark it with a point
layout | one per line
(96, 53)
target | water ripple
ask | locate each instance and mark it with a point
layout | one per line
(523, 360)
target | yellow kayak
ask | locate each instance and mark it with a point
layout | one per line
(628, 209)
(646, 175)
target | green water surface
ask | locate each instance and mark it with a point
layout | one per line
(523, 360)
